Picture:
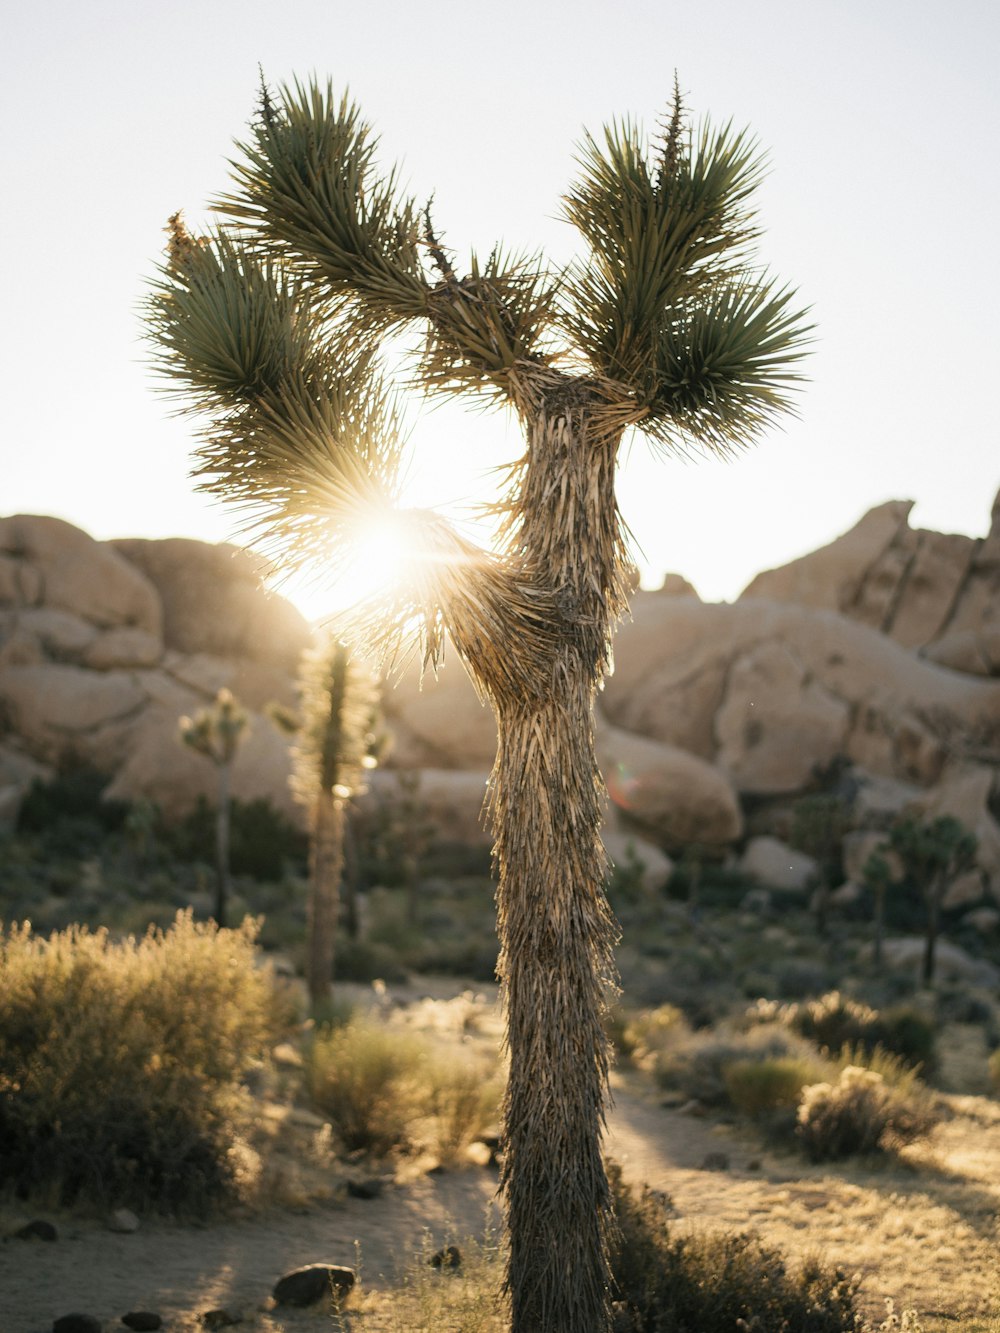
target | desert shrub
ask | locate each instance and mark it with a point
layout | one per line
(994, 1068)
(646, 1035)
(862, 1112)
(387, 1091)
(120, 1063)
(463, 1104)
(74, 794)
(714, 1283)
(429, 1299)
(263, 841)
(757, 1087)
(834, 1021)
(697, 1065)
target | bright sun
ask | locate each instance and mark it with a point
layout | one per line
(384, 554)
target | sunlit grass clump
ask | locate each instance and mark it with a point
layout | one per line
(121, 1061)
(863, 1111)
(387, 1091)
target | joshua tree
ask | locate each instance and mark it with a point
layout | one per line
(216, 733)
(933, 854)
(272, 327)
(334, 746)
(819, 823)
(876, 874)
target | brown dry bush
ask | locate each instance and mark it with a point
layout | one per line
(120, 1063)
(863, 1112)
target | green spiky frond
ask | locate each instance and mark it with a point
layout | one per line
(339, 704)
(298, 428)
(667, 300)
(307, 182)
(482, 326)
(307, 185)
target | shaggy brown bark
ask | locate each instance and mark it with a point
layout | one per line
(556, 928)
(326, 865)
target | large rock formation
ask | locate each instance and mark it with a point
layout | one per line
(103, 646)
(773, 693)
(930, 591)
(847, 660)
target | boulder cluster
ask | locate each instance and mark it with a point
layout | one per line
(876, 657)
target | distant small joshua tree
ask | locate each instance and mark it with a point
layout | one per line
(336, 741)
(934, 854)
(876, 874)
(819, 823)
(216, 733)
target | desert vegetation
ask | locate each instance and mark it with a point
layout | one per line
(227, 1097)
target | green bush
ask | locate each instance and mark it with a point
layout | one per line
(862, 1112)
(120, 1063)
(263, 841)
(387, 1091)
(715, 1283)
(72, 797)
(758, 1087)
(834, 1021)
(646, 1035)
(697, 1066)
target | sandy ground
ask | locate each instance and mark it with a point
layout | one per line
(922, 1231)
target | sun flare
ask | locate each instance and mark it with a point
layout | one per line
(386, 550)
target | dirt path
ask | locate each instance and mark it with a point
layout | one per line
(922, 1231)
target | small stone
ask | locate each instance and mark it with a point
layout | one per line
(715, 1161)
(365, 1189)
(449, 1257)
(694, 1107)
(124, 1221)
(312, 1283)
(142, 1321)
(38, 1229)
(220, 1318)
(76, 1323)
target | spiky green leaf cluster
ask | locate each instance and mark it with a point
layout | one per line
(216, 732)
(306, 183)
(299, 428)
(336, 737)
(483, 325)
(667, 301)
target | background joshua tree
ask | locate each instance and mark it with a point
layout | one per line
(876, 874)
(819, 823)
(933, 854)
(216, 734)
(272, 327)
(335, 744)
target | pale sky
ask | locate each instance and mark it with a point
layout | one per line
(880, 119)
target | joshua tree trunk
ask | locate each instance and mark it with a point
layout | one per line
(879, 923)
(935, 892)
(222, 847)
(326, 855)
(556, 929)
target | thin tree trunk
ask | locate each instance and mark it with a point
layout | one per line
(934, 894)
(326, 863)
(222, 819)
(349, 880)
(556, 929)
(879, 924)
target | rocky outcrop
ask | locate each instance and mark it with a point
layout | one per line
(213, 602)
(772, 693)
(103, 646)
(85, 673)
(935, 592)
(49, 563)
